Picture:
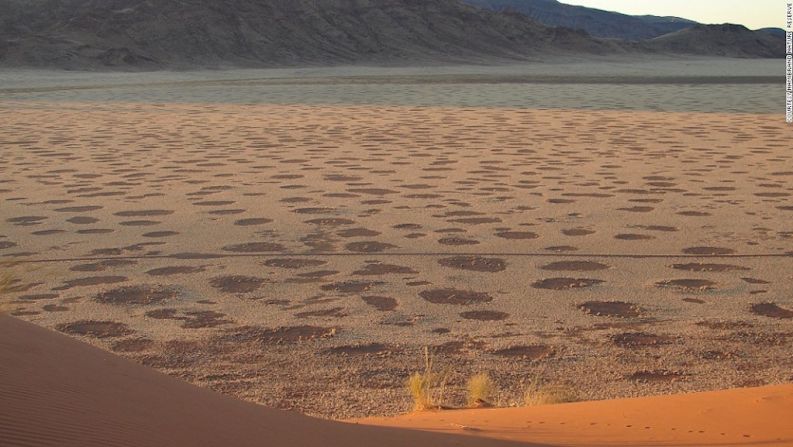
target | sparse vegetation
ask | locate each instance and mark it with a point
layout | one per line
(480, 390)
(427, 390)
(427, 387)
(540, 394)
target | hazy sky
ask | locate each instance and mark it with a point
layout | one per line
(752, 13)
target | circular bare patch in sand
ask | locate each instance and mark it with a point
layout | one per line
(236, 283)
(97, 329)
(82, 220)
(633, 340)
(378, 269)
(457, 241)
(381, 303)
(252, 221)
(143, 213)
(708, 251)
(350, 286)
(330, 221)
(26, 220)
(619, 309)
(485, 315)
(132, 345)
(577, 232)
(364, 349)
(517, 235)
(561, 248)
(358, 232)
(530, 352)
(254, 247)
(315, 210)
(771, 310)
(474, 263)
(175, 270)
(368, 246)
(566, 283)
(293, 263)
(575, 266)
(142, 294)
(633, 237)
(102, 265)
(94, 281)
(755, 281)
(700, 267)
(286, 334)
(203, 319)
(78, 209)
(687, 285)
(694, 213)
(455, 296)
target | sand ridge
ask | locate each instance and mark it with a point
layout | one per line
(57, 391)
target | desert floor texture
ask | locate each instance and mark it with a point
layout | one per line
(302, 254)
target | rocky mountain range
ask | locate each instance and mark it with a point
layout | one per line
(155, 34)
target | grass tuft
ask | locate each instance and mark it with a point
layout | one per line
(539, 394)
(480, 390)
(427, 388)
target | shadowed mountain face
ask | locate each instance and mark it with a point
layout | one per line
(101, 33)
(143, 34)
(721, 40)
(596, 22)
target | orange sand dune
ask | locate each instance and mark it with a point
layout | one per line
(57, 391)
(740, 417)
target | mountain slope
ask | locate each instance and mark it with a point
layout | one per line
(188, 33)
(721, 40)
(596, 22)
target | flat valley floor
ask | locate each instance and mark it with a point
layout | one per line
(303, 255)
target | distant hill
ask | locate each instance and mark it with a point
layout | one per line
(721, 40)
(596, 22)
(158, 34)
(190, 33)
(778, 32)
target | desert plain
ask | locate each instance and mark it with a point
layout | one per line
(299, 243)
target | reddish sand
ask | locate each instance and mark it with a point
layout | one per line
(57, 391)
(748, 416)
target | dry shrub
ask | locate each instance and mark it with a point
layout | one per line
(542, 394)
(480, 390)
(427, 387)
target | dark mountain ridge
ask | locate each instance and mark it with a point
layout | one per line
(158, 34)
(86, 33)
(596, 22)
(721, 40)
